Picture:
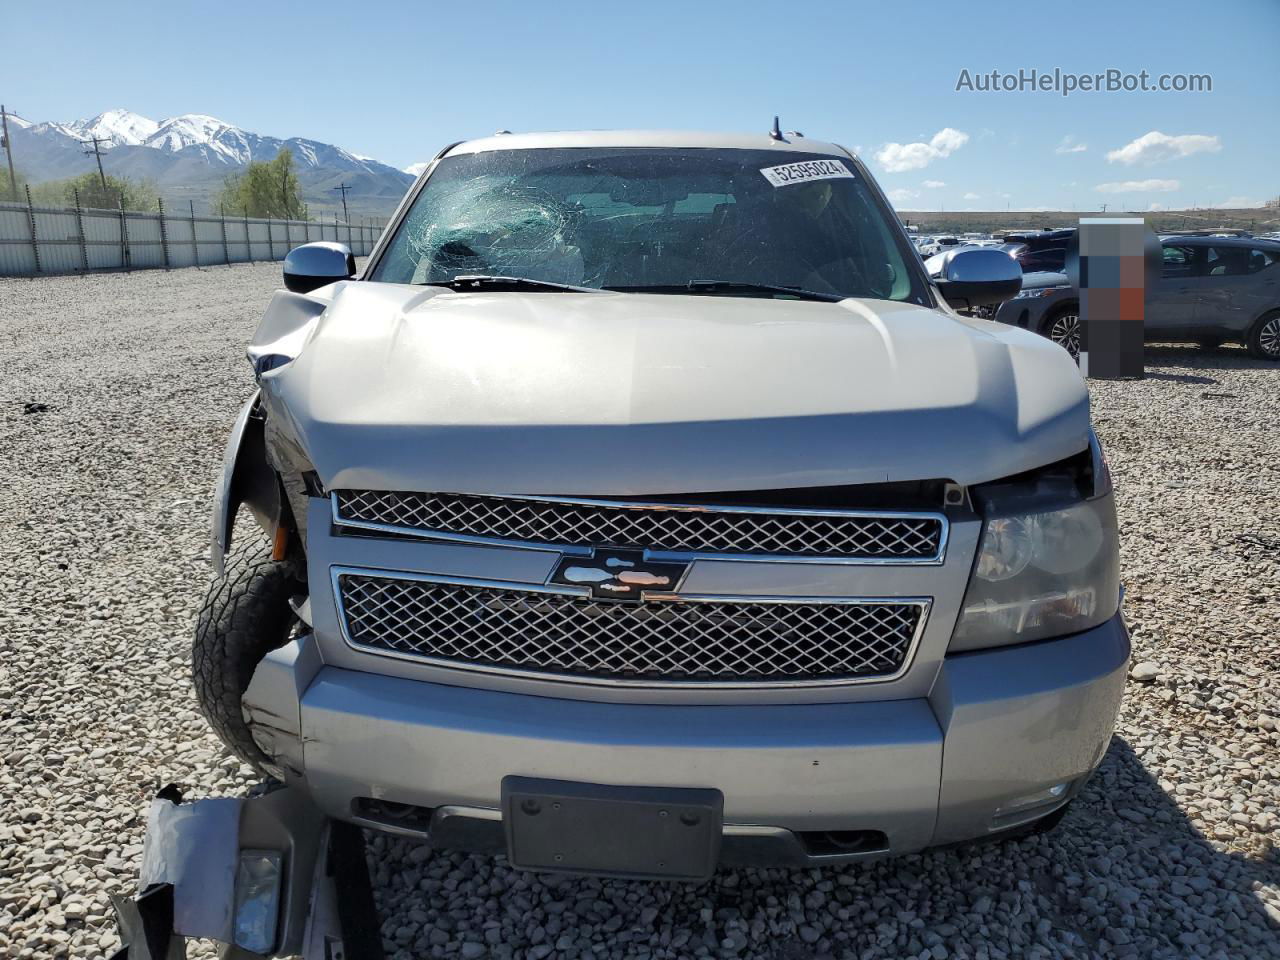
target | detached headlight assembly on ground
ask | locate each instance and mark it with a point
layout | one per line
(1043, 573)
(257, 899)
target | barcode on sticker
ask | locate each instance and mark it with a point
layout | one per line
(804, 171)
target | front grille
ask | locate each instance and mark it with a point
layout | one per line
(908, 538)
(681, 640)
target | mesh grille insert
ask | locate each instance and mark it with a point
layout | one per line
(722, 530)
(680, 640)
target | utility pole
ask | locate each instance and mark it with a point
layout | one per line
(97, 153)
(344, 188)
(8, 152)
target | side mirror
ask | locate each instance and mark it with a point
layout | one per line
(317, 264)
(969, 278)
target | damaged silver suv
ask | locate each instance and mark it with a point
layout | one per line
(643, 504)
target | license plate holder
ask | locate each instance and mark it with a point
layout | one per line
(656, 833)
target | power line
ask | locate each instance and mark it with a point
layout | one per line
(344, 188)
(97, 152)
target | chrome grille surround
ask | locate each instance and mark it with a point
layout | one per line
(669, 640)
(663, 530)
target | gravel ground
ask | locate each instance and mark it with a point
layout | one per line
(1169, 852)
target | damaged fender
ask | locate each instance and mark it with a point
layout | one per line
(247, 478)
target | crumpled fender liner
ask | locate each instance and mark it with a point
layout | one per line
(247, 478)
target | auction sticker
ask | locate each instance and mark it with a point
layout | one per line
(805, 171)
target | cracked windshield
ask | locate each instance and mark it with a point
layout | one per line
(743, 222)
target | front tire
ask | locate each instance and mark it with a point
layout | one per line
(1263, 340)
(246, 615)
(1063, 328)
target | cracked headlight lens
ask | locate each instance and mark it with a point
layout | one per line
(1042, 575)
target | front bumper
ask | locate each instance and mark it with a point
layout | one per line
(1029, 312)
(996, 726)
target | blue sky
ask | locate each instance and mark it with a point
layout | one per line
(398, 80)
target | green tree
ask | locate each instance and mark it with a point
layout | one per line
(15, 191)
(265, 190)
(135, 194)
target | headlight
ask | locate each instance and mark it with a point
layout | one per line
(1042, 575)
(1036, 292)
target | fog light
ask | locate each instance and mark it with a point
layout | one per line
(1029, 800)
(257, 899)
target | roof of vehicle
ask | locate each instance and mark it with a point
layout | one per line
(646, 138)
(1039, 239)
(1217, 240)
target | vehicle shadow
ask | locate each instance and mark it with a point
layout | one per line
(1126, 873)
(1180, 378)
(1226, 357)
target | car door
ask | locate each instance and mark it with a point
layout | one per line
(1260, 293)
(1171, 305)
(1225, 295)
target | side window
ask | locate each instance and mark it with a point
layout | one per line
(1226, 262)
(1261, 259)
(1179, 261)
(1052, 259)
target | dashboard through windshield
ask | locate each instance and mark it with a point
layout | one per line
(725, 221)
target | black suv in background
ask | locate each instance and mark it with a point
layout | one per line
(1212, 289)
(1042, 251)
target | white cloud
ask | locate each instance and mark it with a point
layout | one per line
(1069, 145)
(902, 195)
(1156, 146)
(932, 184)
(1155, 207)
(1237, 203)
(1139, 186)
(416, 168)
(972, 196)
(897, 157)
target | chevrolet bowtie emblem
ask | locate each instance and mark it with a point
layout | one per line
(619, 574)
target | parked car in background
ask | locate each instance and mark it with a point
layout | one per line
(935, 245)
(1042, 251)
(1215, 289)
(1212, 289)
(1047, 304)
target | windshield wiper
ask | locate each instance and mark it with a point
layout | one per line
(732, 286)
(480, 281)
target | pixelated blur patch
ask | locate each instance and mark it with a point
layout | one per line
(1112, 264)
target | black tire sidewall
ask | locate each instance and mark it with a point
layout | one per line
(246, 615)
(1253, 342)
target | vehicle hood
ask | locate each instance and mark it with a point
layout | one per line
(410, 388)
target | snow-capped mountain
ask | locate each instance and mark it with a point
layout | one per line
(122, 127)
(215, 140)
(195, 147)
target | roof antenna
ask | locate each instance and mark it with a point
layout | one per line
(776, 132)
